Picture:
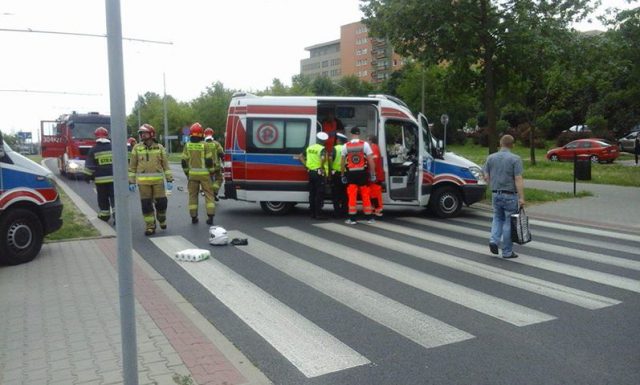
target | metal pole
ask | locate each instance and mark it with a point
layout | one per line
(422, 93)
(166, 119)
(123, 228)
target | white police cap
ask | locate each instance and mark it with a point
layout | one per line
(322, 136)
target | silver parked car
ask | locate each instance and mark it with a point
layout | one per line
(627, 143)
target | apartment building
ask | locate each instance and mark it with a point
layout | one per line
(355, 53)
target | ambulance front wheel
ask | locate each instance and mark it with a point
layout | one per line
(446, 202)
(277, 208)
(21, 236)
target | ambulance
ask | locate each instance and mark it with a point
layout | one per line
(266, 134)
(30, 206)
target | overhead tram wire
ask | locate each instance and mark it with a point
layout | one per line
(29, 30)
(50, 92)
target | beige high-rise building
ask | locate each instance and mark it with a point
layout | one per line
(355, 53)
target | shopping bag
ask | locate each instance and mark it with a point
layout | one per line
(520, 232)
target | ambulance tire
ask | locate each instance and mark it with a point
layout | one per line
(445, 202)
(277, 208)
(21, 236)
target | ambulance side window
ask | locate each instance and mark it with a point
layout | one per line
(277, 136)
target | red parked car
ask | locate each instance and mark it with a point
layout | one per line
(598, 150)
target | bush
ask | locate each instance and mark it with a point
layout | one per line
(569, 136)
(559, 120)
(480, 137)
(458, 137)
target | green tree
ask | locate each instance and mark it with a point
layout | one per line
(301, 85)
(210, 108)
(480, 35)
(352, 86)
(323, 86)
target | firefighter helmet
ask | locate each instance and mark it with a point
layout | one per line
(208, 131)
(148, 129)
(101, 132)
(132, 141)
(196, 130)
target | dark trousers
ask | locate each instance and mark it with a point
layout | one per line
(339, 194)
(637, 155)
(106, 200)
(316, 192)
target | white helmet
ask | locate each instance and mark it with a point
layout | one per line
(322, 137)
(218, 236)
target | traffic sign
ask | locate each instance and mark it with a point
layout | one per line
(444, 119)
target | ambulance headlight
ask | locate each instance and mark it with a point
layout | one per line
(477, 173)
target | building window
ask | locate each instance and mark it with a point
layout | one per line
(325, 63)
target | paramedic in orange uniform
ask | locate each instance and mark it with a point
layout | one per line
(357, 169)
(375, 187)
(331, 125)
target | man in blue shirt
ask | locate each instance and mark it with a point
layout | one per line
(503, 171)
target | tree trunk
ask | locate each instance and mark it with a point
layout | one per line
(487, 44)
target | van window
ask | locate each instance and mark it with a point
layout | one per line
(272, 135)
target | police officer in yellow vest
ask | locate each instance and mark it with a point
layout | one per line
(338, 189)
(198, 163)
(315, 160)
(148, 169)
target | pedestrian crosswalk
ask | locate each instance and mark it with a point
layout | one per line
(456, 246)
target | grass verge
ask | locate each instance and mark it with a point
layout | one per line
(536, 196)
(74, 223)
(601, 173)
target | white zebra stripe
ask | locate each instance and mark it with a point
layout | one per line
(577, 229)
(537, 232)
(541, 263)
(414, 325)
(309, 348)
(495, 307)
(535, 285)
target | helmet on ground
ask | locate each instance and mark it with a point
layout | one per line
(132, 142)
(196, 130)
(208, 131)
(147, 128)
(322, 137)
(218, 236)
(101, 132)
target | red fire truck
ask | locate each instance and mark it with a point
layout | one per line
(69, 139)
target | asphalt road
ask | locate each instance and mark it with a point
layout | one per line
(411, 300)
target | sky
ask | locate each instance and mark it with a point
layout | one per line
(242, 43)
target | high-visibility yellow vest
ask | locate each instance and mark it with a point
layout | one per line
(335, 166)
(314, 156)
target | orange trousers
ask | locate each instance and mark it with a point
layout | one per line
(375, 192)
(352, 199)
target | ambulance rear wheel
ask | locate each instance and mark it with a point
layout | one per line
(445, 202)
(21, 236)
(277, 208)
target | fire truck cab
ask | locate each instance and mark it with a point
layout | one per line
(69, 139)
(265, 135)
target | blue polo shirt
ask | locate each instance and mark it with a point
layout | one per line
(502, 168)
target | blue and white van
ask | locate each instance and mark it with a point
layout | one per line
(265, 134)
(30, 206)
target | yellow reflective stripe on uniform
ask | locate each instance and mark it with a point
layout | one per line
(104, 179)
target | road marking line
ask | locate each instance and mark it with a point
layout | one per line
(561, 237)
(473, 299)
(578, 229)
(549, 289)
(410, 323)
(541, 263)
(308, 347)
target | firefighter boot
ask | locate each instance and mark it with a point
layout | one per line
(150, 230)
(210, 220)
(194, 220)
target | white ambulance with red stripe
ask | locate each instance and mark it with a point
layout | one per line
(265, 135)
(30, 206)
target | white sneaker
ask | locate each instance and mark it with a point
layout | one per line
(371, 220)
(350, 222)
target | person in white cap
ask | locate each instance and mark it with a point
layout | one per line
(314, 159)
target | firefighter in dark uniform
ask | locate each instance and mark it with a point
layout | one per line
(148, 170)
(198, 163)
(219, 159)
(99, 168)
(314, 159)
